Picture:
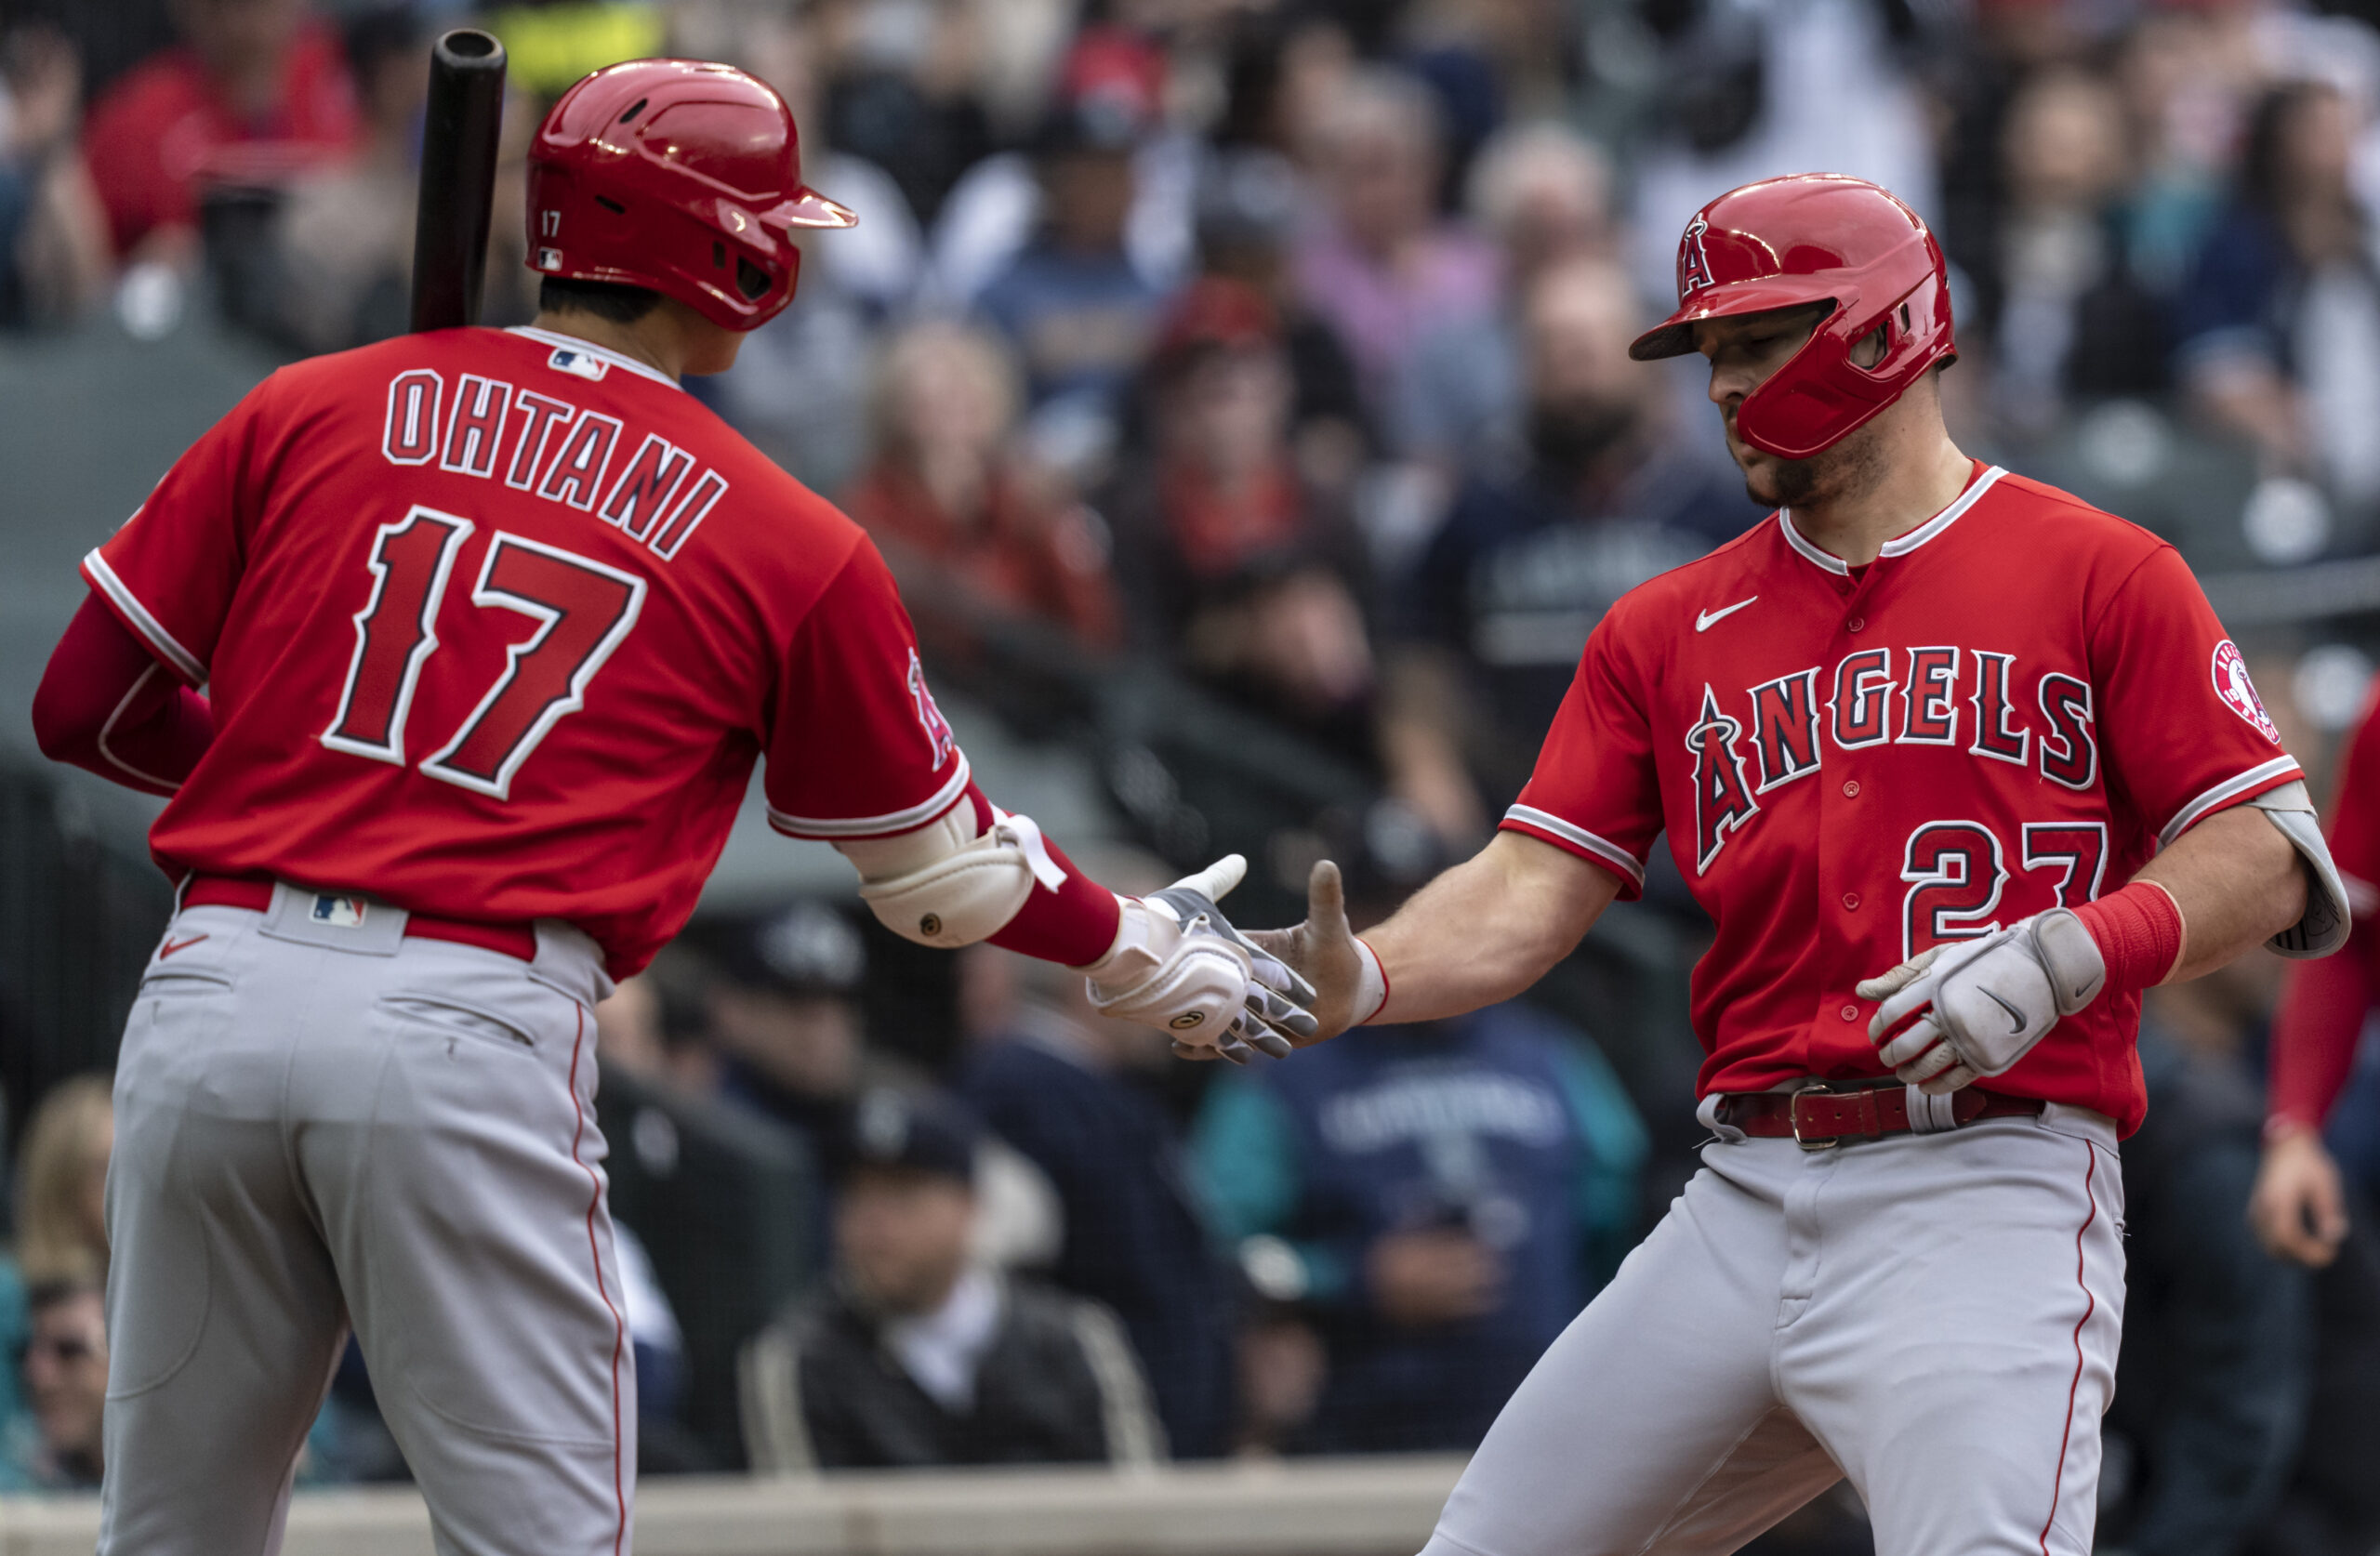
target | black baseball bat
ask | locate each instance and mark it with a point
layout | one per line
(465, 113)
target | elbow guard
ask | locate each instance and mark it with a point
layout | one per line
(942, 885)
(2323, 926)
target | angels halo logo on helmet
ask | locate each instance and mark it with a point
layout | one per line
(1815, 238)
(679, 177)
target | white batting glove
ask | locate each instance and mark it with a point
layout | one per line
(1179, 966)
(1986, 1002)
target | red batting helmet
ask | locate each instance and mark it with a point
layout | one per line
(1814, 237)
(677, 176)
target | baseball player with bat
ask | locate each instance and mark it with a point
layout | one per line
(496, 624)
(1958, 765)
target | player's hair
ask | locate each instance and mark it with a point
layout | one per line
(605, 299)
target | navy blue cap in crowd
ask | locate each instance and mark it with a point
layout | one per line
(807, 948)
(919, 1130)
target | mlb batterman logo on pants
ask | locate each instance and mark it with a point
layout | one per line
(1937, 748)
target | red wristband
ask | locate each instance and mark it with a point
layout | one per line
(2138, 931)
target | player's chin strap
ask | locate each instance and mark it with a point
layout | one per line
(2323, 928)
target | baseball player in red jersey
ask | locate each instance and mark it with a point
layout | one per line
(2300, 1206)
(496, 624)
(1957, 765)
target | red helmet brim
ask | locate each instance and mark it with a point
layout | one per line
(810, 208)
(1673, 337)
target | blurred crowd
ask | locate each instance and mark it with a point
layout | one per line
(1240, 390)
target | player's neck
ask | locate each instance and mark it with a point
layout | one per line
(1894, 487)
(650, 340)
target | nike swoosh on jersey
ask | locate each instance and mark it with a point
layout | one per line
(1703, 621)
(173, 945)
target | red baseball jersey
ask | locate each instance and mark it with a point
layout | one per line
(2014, 706)
(496, 624)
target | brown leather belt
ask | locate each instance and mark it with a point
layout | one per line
(1819, 1116)
(256, 893)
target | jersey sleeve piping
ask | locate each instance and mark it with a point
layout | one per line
(889, 824)
(1552, 828)
(136, 615)
(2257, 779)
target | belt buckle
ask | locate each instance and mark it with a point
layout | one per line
(1794, 1119)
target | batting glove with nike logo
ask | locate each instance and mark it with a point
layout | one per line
(1982, 1004)
(1179, 965)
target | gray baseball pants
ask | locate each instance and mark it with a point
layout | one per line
(325, 1124)
(1934, 1317)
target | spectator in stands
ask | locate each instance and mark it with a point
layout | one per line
(962, 518)
(1544, 193)
(61, 1184)
(1446, 1196)
(55, 1445)
(1079, 1096)
(1077, 310)
(1229, 560)
(798, 388)
(1251, 206)
(1383, 263)
(902, 91)
(1491, 619)
(256, 91)
(2280, 328)
(785, 1013)
(914, 1357)
(53, 232)
(346, 233)
(2058, 300)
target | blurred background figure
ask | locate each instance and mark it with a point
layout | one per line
(1605, 490)
(912, 1355)
(258, 91)
(1383, 265)
(966, 521)
(2280, 328)
(1085, 1099)
(1443, 1198)
(61, 1184)
(346, 235)
(1230, 563)
(55, 1444)
(1543, 193)
(54, 244)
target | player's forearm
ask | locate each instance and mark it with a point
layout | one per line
(2236, 882)
(2315, 1032)
(1487, 930)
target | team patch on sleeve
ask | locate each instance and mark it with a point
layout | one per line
(2239, 693)
(930, 717)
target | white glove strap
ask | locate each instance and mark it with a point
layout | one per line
(1371, 984)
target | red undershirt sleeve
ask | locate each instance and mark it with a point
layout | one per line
(107, 706)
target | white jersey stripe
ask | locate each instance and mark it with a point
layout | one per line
(159, 638)
(1570, 832)
(884, 826)
(573, 343)
(2231, 788)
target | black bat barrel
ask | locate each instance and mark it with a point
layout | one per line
(465, 113)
